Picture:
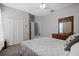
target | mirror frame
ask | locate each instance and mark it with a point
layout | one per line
(67, 19)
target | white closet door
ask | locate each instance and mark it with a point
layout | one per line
(18, 31)
(8, 31)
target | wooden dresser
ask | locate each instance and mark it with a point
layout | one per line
(62, 36)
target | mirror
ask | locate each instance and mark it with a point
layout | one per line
(65, 25)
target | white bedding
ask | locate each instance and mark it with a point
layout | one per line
(43, 47)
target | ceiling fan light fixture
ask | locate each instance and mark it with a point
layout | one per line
(42, 5)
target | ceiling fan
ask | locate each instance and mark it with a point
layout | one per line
(43, 6)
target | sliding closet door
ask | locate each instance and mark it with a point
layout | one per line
(8, 30)
(13, 31)
(18, 31)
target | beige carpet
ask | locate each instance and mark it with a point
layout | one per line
(14, 50)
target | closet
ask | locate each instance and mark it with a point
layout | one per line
(18, 31)
(15, 31)
(8, 31)
(15, 25)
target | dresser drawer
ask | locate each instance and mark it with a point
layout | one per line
(60, 36)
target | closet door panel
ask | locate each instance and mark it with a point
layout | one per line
(8, 31)
(18, 31)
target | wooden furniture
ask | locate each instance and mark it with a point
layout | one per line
(62, 36)
(65, 28)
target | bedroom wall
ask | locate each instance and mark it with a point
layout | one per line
(50, 23)
(15, 25)
(0, 11)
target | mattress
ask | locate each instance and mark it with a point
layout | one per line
(43, 47)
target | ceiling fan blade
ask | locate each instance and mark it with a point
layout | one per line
(52, 10)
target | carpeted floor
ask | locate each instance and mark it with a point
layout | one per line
(14, 50)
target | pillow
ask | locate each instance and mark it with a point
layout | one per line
(75, 50)
(70, 41)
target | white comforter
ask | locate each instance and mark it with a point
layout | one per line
(43, 47)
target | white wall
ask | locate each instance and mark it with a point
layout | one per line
(0, 19)
(26, 28)
(50, 23)
(0, 11)
(16, 23)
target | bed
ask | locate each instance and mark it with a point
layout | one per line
(43, 47)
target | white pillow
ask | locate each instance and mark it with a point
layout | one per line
(75, 50)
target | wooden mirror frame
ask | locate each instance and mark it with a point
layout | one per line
(67, 19)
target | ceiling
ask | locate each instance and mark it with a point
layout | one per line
(33, 8)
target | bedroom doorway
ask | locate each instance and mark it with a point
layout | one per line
(34, 30)
(34, 27)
